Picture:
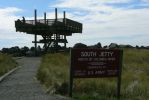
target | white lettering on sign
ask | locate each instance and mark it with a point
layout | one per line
(88, 54)
(99, 72)
(106, 54)
(94, 54)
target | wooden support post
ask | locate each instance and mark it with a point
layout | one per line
(45, 17)
(57, 41)
(35, 16)
(35, 44)
(49, 43)
(45, 37)
(65, 42)
(35, 34)
(64, 20)
(119, 76)
(70, 76)
(55, 14)
(45, 42)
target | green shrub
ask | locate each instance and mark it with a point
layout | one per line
(6, 63)
(53, 72)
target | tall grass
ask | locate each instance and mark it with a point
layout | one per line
(6, 63)
(53, 72)
(54, 69)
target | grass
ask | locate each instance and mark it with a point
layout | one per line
(54, 69)
(6, 63)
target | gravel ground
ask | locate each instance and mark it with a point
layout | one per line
(22, 84)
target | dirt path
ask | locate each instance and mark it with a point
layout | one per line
(22, 85)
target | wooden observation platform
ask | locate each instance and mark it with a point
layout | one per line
(53, 31)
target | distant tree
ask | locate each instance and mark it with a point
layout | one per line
(32, 49)
(98, 45)
(137, 47)
(125, 46)
(13, 50)
(147, 47)
(24, 50)
(80, 45)
(5, 50)
(142, 47)
(105, 46)
(129, 46)
(113, 45)
(39, 48)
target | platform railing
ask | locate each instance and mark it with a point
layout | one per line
(67, 23)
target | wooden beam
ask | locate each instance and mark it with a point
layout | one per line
(35, 33)
(64, 20)
(56, 14)
(45, 18)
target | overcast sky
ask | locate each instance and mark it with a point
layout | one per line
(105, 21)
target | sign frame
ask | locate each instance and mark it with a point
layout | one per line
(119, 68)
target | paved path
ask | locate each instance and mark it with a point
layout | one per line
(22, 85)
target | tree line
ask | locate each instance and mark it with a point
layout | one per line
(26, 51)
(23, 51)
(111, 46)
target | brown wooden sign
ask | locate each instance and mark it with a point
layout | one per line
(91, 63)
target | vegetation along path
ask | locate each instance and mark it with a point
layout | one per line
(22, 84)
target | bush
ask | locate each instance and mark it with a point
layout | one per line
(50, 72)
(80, 45)
(6, 63)
(98, 45)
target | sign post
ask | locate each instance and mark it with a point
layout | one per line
(70, 77)
(94, 63)
(119, 75)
